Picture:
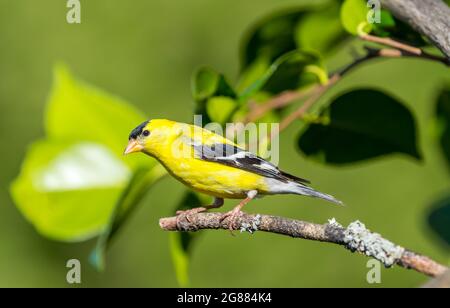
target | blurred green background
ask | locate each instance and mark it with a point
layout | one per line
(145, 52)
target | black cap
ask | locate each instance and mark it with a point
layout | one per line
(138, 130)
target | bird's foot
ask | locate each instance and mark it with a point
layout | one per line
(186, 213)
(232, 216)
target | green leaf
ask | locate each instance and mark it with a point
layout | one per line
(252, 73)
(439, 219)
(181, 242)
(277, 34)
(321, 31)
(135, 191)
(207, 83)
(68, 190)
(78, 111)
(359, 125)
(71, 181)
(443, 118)
(291, 71)
(220, 108)
(354, 14)
(271, 37)
(314, 28)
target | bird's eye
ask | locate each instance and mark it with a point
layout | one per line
(146, 133)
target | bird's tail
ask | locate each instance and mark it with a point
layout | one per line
(308, 191)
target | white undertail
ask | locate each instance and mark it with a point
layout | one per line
(278, 187)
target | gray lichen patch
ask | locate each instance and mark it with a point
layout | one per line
(333, 223)
(253, 226)
(358, 238)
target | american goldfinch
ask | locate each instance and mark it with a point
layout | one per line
(211, 164)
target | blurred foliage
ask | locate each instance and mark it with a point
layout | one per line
(443, 118)
(75, 185)
(291, 71)
(181, 242)
(59, 180)
(71, 181)
(439, 219)
(214, 96)
(359, 125)
(136, 189)
(271, 38)
(354, 16)
(321, 31)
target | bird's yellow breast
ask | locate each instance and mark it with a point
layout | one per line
(213, 178)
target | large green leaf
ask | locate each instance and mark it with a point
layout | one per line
(67, 190)
(71, 181)
(439, 219)
(443, 117)
(181, 242)
(359, 125)
(78, 111)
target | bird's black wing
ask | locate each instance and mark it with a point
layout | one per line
(236, 157)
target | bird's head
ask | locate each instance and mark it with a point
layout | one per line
(151, 137)
(138, 139)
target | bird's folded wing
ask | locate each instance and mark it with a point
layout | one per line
(233, 156)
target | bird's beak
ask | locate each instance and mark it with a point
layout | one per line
(132, 147)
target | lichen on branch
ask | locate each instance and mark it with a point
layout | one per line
(356, 237)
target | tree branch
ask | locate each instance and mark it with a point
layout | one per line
(354, 238)
(314, 93)
(429, 17)
(443, 281)
(317, 94)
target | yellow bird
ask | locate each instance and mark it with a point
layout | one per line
(211, 164)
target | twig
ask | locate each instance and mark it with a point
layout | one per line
(429, 17)
(355, 237)
(316, 92)
(391, 43)
(278, 102)
(300, 112)
(401, 49)
(442, 281)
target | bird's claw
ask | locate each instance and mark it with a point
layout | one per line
(187, 213)
(232, 215)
